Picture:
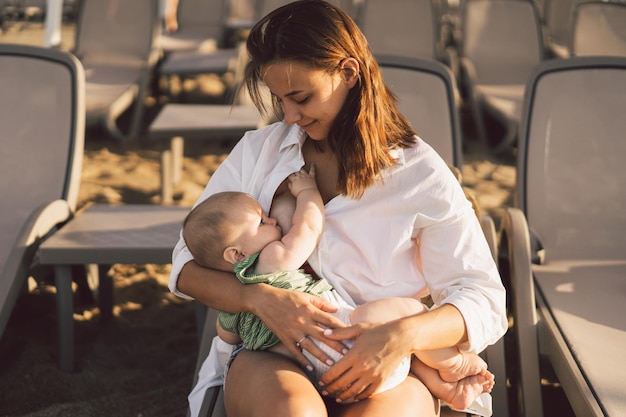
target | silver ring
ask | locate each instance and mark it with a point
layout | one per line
(299, 342)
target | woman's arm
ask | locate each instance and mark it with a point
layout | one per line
(470, 296)
(307, 314)
(379, 348)
(217, 289)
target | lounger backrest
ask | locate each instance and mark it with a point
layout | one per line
(598, 28)
(400, 27)
(41, 133)
(572, 156)
(557, 14)
(502, 38)
(111, 30)
(202, 13)
(427, 97)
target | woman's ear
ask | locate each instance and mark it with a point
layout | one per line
(350, 71)
(232, 255)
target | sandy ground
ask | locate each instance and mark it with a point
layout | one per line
(141, 362)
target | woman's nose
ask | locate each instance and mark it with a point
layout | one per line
(291, 113)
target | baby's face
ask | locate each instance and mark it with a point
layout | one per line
(257, 230)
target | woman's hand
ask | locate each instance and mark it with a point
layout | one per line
(296, 318)
(378, 350)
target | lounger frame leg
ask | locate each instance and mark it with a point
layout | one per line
(65, 316)
(167, 188)
(177, 148)
(171, 168)
(105, 292)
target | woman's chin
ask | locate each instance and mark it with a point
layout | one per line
(315, 135)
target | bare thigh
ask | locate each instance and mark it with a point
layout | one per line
(265, 384)
(409, 399)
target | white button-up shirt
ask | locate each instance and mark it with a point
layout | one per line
(412, 234)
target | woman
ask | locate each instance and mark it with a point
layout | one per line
(397, 225)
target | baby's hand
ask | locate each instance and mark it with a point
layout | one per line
(302, 180)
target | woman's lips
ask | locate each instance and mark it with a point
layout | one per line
(306, 126)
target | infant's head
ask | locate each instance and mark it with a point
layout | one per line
(227, 227)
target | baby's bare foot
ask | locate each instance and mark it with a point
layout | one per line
(468, 364)
(462, 394)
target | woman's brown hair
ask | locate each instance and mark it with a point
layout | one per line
(320, 35)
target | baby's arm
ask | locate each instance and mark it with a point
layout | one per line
(307, 223)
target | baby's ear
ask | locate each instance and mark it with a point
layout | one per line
(232, 255)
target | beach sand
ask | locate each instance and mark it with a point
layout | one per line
(141, 362)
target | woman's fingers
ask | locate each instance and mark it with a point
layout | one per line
(368, 363)
(311, 343)
(344, 332)
(353, 385)
(356, 391)
(308, 320)
(300, 357)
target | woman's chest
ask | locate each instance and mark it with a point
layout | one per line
(326, 171)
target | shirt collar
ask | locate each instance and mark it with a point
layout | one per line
(297, 136)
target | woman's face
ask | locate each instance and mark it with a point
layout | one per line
(312, 98)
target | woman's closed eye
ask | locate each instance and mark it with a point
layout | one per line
(301, 101)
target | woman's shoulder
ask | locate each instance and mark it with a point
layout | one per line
(424, 169)
(421, 156)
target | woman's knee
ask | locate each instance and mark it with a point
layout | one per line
(261, 384)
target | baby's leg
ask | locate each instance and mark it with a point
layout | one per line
(460, 394)
(455, 377)
(226, 336)
(452, 364)
(234, 339)
(386, 309)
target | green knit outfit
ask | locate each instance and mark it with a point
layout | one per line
(253, 332)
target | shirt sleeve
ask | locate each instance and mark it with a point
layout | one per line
(226, 177)
(180, 256)
(460, 271)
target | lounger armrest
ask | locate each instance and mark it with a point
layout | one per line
(515, 240)
(213, 404)
(468, 77)
(495, 354)
(45, 219)
(489, 229)
(19, 262)
(468, 70)
(42, 223)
